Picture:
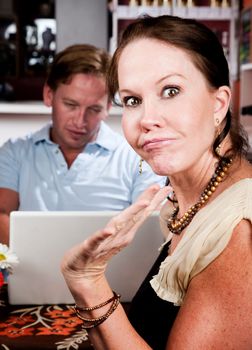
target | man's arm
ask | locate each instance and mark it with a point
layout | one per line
(9, 201)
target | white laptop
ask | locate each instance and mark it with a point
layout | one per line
(40, 240)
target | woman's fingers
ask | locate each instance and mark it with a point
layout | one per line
(148, 202)
(121, 229)
(91, 256)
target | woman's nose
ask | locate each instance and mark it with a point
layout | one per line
(150, 115)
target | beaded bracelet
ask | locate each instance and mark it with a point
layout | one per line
(115, 296)
(94, 322)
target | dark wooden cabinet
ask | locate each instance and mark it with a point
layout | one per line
(27, 46)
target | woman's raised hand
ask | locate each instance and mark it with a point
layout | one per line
(88, 260)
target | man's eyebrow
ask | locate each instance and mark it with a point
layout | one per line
(69, 100)
(95, 106)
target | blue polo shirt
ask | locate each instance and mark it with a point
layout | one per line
(103, 177)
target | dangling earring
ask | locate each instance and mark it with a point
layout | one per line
(218, 149)
(140, 167)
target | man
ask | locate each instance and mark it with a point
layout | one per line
(76, 162)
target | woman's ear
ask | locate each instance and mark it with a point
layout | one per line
(222, 103)
(47, 95)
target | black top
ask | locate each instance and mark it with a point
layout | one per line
(151, 316)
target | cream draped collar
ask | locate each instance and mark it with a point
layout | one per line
(206, 237)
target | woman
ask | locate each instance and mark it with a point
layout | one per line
(173, 81)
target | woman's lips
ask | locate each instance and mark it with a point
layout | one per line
(156, 143)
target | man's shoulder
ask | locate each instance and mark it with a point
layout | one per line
(22, 142)
(111, 139)
(16, 142)
(124, 147)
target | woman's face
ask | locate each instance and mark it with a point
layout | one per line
(169, 111)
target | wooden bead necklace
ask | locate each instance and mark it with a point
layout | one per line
(176, 225)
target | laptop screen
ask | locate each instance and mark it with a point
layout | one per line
(40, 240)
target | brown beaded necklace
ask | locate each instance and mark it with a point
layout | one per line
(176, 225)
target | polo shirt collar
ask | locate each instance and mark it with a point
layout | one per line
(43, 134)
(106, 137)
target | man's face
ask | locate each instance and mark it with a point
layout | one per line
(78, 108)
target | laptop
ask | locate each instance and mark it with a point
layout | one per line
(40, 240)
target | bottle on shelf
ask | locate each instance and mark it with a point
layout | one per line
(166, 3)
(214, 3)
(180, 3)
(225, 4)
(133, 3)
(190, 3)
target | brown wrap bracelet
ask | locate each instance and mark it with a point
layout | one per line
(94, 322)
(83, 308)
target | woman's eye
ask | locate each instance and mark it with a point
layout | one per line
(131, 101)
(170, 91)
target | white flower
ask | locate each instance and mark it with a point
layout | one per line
(7, 257)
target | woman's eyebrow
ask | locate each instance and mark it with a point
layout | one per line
(129, 91)
(171, 75)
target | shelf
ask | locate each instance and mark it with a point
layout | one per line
(206, 13)
(38, 108)
(246, 67)
(24, 107)
(132, 12)
(199, 12)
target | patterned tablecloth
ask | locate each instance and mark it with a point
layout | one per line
(40, 327)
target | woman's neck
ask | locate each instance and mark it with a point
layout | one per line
(188, 186)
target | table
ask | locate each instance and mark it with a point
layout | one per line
(40, 327)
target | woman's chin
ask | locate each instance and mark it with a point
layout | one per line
(160, 168)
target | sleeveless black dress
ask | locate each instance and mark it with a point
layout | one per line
(151, 316)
